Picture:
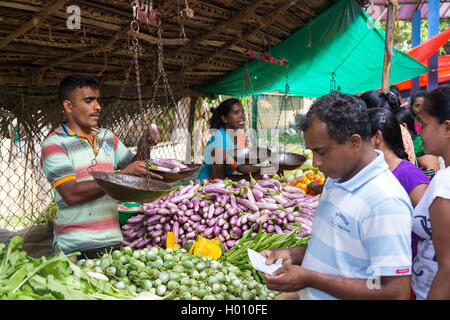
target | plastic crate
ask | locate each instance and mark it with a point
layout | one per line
(125, 215)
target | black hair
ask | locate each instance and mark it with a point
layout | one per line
(384, 120)
(70, 83)
(344, 115)
(379, 99)
(395, 90)
(222, 110)
(417, 94)
(438, 103)
(405, 115)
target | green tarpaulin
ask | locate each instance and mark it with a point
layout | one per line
(343, 40)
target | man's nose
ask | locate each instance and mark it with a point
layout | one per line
(317, 162)
(97, 106)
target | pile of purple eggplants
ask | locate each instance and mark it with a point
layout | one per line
(223, 208)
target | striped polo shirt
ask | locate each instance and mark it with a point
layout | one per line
(361, 229)
(66, 156)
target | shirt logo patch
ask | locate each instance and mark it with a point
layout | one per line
(402, 270)
(341, 221)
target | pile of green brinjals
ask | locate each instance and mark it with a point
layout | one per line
(176, 274)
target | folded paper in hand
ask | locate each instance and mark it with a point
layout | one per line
(259, 262)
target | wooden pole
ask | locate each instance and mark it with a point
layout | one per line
(389, 43)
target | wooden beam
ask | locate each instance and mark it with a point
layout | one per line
(108, 26)
(268, 18)
(36, 20)
(117, 35)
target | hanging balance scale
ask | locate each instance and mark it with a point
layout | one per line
(129, 188)
(286, 160)
(281, 160)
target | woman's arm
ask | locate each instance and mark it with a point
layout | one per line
(220, 169)
(429, 161)
(417, 193)
(440, 224)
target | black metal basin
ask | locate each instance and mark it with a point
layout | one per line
(129, 188)
(287, 160)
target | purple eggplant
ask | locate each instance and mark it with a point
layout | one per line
(136, 219)
(176, 229)
(212, 189)
(267, 205)
(217, 230)
(233, 220)
(151, 211)
(231, 243)
(236, 233)
(208, 232)
(163, 211)
(257, 194)
(247, 204)
(195, 218)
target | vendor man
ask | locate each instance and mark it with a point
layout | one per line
(87, 218)
(360, 246)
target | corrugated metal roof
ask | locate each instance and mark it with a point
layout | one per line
(407, 7)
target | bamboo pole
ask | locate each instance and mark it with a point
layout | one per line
(389, 43)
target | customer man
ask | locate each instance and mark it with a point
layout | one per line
(87, 218)
(360, 241)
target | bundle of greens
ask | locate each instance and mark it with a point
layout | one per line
(56, 278)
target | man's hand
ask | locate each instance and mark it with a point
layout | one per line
(139, 168)
(149, 139)
(273, 255)
(288, 278)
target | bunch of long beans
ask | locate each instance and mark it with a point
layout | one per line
(238, 255)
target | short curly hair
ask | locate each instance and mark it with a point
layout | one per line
(344, 115)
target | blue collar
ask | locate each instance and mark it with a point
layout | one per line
(373, 169)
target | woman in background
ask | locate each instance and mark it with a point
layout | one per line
(379, 99)
(386, 136)
(228, 120)
(430, 276)
(426, 161)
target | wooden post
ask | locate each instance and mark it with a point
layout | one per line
(389, 43)
(194, 99)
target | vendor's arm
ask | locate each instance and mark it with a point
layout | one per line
(73, 192)
(440, 224)
(220, 169)
(125, 160)
(292, 278)
(428, 162)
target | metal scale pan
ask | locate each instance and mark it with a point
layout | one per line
(287, 160)
(129, 188)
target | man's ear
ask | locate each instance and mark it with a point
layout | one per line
(67, 106)
(447, 128)
(356, 141)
